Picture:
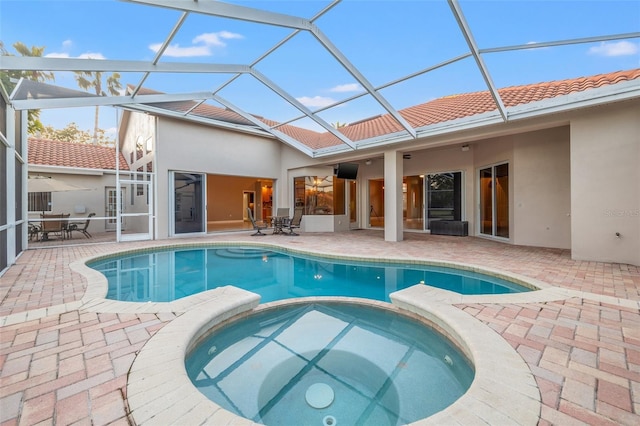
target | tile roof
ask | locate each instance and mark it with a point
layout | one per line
(468, 104)
(306, 136)
(433, 112)
(77, 155)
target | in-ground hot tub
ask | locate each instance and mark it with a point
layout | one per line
(329, 364)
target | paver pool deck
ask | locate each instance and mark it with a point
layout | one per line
(63, 363)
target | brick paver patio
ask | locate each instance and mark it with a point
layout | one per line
(62, 364)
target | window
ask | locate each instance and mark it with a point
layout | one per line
(320, 195)
(39, 201)
(140, 176)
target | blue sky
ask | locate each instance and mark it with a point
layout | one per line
(385, 40)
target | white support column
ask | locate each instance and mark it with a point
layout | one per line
(393, 196)
(10, 171)
(24, 210)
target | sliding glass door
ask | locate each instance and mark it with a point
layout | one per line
(444, 197)
(188, 200)
(494, 200)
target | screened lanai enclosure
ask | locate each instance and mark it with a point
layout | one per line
(316, 84)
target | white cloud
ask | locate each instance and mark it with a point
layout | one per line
(67, 44)
(111, 131)
(216, 39)
(176, 51)
(620, 48)
(203, 45)
(56, 55)
(316, 101)
(341, 88)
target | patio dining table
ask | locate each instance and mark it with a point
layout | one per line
(279, 222)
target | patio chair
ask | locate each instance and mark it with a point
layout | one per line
(257, 227)
(282, 212)
(51, 226)
(76, 227)
(294, 223)
(34, 231)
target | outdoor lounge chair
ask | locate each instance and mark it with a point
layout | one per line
(256, 226)
(294, 223)
(74, 227)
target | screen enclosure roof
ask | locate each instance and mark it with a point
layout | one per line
(328, 77)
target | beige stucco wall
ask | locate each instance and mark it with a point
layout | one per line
(203, 149)
(605, 184)
(542, 189)
(573, 185)
(78, 203)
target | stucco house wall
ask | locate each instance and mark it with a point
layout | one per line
(542, 189)
(77, 203)
(197, 148)
(556, 197)
(605, 184)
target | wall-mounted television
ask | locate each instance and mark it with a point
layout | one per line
(347, 170)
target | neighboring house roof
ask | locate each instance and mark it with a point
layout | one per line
(77, 155)
(437, 111)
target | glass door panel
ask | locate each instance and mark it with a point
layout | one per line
(502, 200)
(188, 191)
(376, 203)
(486, 202)
(412, 202)
(444, 197)
(111, 207)
(494, 201)
(353, 203)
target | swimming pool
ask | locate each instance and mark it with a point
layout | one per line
(329, 363)
(165, 275)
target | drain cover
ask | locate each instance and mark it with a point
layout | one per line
(319, 395)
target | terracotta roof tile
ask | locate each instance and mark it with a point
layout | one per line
(77, 155)
(465, 105)
(436, 111)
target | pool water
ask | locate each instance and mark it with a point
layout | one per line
(167, 275)
(341, 364)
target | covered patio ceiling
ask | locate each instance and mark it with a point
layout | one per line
(317, 65)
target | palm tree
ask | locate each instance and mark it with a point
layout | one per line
(87, 80)
(33, 124)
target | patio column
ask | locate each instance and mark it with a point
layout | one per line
(393, 196)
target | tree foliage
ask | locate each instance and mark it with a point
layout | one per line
(88, 80)
(72, 133)
(9, 79)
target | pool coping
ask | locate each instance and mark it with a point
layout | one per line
(94, 298)
(160, 392)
